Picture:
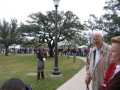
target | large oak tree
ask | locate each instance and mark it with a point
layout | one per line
(42, 26)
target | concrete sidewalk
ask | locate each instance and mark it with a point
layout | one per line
(77, 82)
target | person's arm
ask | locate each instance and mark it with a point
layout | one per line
(88, 75)
(88, 78)
(88, 60)
(87, 64)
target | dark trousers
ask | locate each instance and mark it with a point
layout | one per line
(40, 75)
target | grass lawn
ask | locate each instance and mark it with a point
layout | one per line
(22, 66)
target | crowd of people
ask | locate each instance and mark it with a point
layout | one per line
(22, 50)
(76, 51)
(62, 51)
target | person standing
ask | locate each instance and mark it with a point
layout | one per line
(40, 64)
(99, 61)
(114, 81)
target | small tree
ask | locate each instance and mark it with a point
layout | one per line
(8, 34)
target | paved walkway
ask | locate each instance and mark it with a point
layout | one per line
(77, 82)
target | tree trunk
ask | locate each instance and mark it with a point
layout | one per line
(51, 49)
(6, 51)
(51, 52)
(74, 58)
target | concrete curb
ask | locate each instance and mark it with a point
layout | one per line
(77, 82)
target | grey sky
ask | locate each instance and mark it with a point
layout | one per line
(20, 9)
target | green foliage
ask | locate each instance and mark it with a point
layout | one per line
(112, 18)
(43, 26)
(9, 34)
(109, 23)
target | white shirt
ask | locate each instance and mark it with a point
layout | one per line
(97, 58)
(117, 69)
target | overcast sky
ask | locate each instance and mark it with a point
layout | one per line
(20, 9)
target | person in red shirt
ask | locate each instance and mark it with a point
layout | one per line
(108, 75)
(112, 75)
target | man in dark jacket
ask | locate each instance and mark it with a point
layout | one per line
(40, 64)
